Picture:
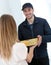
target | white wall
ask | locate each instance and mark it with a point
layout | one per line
(15, 7)
(4, 7)
(12, 7)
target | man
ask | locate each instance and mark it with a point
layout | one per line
(34, 27)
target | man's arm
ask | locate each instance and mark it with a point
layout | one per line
(47, 32)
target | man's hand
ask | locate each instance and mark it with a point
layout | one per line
(39, 40)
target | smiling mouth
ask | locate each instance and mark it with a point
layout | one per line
(28, 15)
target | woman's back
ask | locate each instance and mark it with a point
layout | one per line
(18, 55)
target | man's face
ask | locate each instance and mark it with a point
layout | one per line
(28, 12)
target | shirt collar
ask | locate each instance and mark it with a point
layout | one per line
(35, 20)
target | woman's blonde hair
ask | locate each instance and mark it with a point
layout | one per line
(8, 35)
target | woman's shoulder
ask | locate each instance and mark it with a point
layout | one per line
(20, 50)
(19, 45)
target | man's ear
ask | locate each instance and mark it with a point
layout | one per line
(33, 10)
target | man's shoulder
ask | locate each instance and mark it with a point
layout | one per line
(21, 24)
(40, 19)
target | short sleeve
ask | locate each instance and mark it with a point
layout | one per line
(19, 51)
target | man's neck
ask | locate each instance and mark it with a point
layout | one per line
(31, 20)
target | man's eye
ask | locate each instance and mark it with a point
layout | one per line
(28, 9)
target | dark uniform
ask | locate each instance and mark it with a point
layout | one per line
(29, 31)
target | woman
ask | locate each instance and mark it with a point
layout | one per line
(12, 52)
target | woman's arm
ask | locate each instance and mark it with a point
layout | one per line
(30, 54)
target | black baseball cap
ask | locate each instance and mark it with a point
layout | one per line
(27, 5)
